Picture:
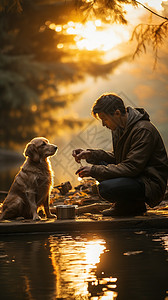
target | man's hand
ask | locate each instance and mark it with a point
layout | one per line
(79, 154)
(84, 172)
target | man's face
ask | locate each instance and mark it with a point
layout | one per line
(110, 121)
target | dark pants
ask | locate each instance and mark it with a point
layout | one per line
(123, 190)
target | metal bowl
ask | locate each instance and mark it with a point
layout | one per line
(65, 212)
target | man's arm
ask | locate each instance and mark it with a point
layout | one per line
(135, 161)
(93, 156)
(98, 156)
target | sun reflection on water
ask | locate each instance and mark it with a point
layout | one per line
(74, 262)
(93, 250)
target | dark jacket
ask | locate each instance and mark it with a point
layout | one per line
(138, 152)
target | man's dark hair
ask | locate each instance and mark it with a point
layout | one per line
(108, 103)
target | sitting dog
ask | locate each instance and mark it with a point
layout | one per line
(31, 185)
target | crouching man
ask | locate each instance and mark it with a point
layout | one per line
(136, 171)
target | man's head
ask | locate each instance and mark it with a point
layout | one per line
(111, 110)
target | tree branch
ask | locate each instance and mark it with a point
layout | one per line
(151, 10)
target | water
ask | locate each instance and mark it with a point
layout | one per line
(86, 266)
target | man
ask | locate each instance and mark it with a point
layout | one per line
(136, 171)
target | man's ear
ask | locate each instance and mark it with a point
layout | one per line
(118, 112)
(32, 152)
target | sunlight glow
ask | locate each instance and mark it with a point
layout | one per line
(60, 46)
(93, 35)
(52, 26)
(58, 28)
(34, 108)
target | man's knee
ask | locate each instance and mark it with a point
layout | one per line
(105, 189)
(118, 189)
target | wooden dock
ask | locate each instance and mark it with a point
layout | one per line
(152, 220)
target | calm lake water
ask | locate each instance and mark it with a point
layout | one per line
(132, 265)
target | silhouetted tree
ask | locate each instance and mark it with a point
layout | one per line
(31, 71)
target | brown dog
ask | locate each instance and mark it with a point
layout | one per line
(31, 185)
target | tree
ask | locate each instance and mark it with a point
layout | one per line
(10, 5)
(30, 73)
(107, 10)
(29, 101)
(33, 68)
(153, 34)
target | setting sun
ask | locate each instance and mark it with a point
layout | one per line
(93, 35)
(96, 35)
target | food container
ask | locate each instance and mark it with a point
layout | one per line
(65, 212)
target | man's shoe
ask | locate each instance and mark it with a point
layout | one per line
(129, 210)
(109, 212)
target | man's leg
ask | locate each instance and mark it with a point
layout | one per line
(128, 194)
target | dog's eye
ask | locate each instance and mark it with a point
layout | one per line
(43, 144)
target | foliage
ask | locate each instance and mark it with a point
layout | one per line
(107, 10)
(26, 108)
(150, 34)
(10, 5)
(30, 73)
(147, 34)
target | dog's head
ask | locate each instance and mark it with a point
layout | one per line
(39, 148)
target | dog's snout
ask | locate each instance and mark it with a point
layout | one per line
(55, 148)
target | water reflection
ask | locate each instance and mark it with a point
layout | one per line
(26, 272)
(91, 267)
(74, 262)
(163, 239)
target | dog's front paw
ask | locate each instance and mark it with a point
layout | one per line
(36, 218)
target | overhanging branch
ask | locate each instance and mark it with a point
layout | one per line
(156, 14)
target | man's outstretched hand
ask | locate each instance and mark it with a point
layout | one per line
(79, 154)
(84, 172)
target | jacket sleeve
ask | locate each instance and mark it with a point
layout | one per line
(98, 156)
(135, 161)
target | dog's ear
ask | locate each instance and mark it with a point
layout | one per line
(32, 152)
